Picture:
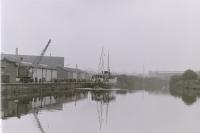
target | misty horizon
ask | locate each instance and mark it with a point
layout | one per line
(159, 35)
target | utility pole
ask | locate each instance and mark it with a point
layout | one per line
(143, 70)
(76, 72)
(143, 76)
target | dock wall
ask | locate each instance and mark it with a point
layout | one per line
(16, 90)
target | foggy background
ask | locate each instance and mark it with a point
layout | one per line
(159, 34)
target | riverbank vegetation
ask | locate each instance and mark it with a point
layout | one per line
(186, 86)
(188, 80)
(138, 83)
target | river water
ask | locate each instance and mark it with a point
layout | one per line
(102, 111)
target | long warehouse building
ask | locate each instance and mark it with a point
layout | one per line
(50, 69)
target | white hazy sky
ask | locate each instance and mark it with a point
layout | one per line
(159, 34)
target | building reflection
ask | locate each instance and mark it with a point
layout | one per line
(34, 104)
(28, 104)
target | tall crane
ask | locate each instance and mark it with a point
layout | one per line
(37, 61)
(35, 114)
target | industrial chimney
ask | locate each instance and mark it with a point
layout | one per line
(16, 51)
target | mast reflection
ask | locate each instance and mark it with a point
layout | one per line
(103, 99)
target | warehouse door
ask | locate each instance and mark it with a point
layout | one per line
(5, 78)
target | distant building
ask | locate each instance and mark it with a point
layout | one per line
(66, 73)
(165, 75)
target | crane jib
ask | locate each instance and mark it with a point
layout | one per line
(38, 60)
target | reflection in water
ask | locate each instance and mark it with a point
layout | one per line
(103, 99)
(35, 114)
(189, 96)
(33, 105)
(189, 100)
(29, 104)
(25, 105)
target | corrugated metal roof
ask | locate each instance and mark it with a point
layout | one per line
(28, 64)
(47, 60)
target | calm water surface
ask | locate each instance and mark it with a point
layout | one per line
(83, 111)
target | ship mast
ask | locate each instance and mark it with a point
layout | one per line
(108, 62)
(101, 62)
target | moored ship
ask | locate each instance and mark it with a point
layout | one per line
(104, 78)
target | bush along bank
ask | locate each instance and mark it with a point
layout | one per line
(186, 86)
(188, 80)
